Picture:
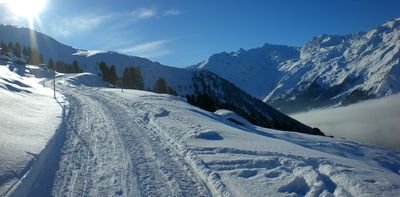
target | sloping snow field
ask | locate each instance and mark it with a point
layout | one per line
(235, 160)
(29, 117)
(139, 143)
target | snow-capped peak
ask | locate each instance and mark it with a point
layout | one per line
(328, 70)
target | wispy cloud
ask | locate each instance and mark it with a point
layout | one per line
(151, 12)
(78, 24)
(172, 12)
(151, 49)
(143, 13)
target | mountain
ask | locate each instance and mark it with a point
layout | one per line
(195, 85)
(52, 49)
(329, 70)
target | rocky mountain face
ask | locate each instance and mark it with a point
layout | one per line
(329, 70)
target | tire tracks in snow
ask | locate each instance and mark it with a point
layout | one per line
(158, 165)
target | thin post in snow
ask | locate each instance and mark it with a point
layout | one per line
(54, 82)
(122, 80)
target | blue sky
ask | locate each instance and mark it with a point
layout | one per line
(182, 33)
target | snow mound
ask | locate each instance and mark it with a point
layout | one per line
(208, 135)
(85, 79)
(231, 116)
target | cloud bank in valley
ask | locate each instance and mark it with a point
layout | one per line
(375, 121)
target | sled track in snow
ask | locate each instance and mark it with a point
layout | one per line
(107, 154)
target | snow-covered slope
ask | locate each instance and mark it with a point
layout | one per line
(29, 117)
(83, 79)
(328, 70)
(140, 143)
(231, 159)
(252, 70)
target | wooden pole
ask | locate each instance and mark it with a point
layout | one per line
(54, 83)
(122, 80)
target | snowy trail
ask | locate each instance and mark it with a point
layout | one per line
(107, 154)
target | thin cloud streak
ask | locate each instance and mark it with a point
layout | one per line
(151, 12)
(172, 12)
(78, 24)
(151, 49)
(143, 13)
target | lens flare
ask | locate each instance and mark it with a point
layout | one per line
(26, 8)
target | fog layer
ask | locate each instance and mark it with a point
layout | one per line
(374, 121)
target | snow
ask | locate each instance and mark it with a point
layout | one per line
(138, 143)
(29, 117)
(83, 79)
(87, 52)
(263, 162)
(231, 116)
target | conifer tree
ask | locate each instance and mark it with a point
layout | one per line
(160, 86)
(113, 75)
(50, 64)
(132, 78)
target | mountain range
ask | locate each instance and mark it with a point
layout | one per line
(330, 70)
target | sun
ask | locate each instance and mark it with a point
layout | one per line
(26, 8)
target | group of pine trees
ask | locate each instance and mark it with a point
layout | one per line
(109, 74)
(132, 79)
(162, 88)
(29, 54)
(63, 67)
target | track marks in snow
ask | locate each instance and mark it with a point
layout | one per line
(108, 154)
(159, 168)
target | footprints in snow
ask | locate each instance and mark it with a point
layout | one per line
(161, 112)
(289, 174)
(298, 186)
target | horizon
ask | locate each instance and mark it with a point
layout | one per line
(133, 28)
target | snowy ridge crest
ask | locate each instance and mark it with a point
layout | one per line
(328, 70)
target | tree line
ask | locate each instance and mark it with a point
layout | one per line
(62, 67)
(29, 54)
(132, 78)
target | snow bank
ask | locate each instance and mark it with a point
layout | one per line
(253, 161)
(29, 117)
(231, 116)
(84, 79)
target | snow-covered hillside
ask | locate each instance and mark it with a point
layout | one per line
(328, 70)
(179, 79)
(29, 118)
(139, 143)
(254, 70)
